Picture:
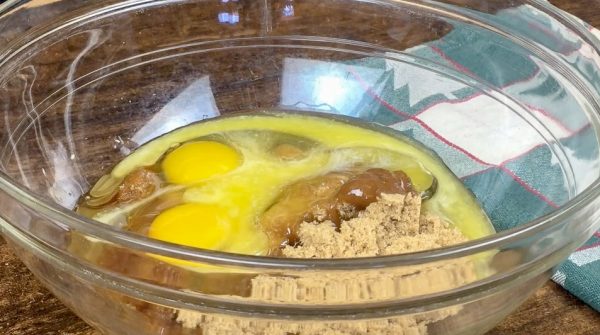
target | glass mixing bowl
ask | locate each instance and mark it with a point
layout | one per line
(505, 92)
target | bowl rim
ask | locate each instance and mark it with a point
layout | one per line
(144, 244)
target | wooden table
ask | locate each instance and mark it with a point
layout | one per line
(26, 308)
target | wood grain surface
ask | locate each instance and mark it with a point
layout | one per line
(26, 308)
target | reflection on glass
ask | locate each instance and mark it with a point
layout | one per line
(328, 86)
(331, 90)
(230, 12)
(229, 18)
(288, 9)
(193, 104)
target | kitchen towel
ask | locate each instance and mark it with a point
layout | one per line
(499, 155)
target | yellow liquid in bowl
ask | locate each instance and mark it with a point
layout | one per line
(225, 172)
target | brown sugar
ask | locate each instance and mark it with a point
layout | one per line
(137, 185)
(334, 197)
(392, 225)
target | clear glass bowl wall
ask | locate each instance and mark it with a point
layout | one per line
(83, 84)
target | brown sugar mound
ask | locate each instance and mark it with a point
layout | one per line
(333, 197)
(392, 225)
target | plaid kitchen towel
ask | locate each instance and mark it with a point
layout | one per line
(501, 151)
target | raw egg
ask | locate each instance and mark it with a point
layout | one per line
(195, 161)
(193, 225)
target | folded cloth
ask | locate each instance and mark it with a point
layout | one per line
(580, 274)
(500, 149)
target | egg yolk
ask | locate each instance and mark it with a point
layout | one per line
(195, 161)
(194, 225)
